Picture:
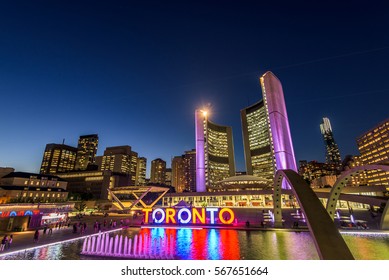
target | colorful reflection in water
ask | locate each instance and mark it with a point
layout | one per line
(195, 244)
(224, 244)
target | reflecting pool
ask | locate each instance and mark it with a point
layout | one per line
(226, 244)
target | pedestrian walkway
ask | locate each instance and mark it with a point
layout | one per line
(24, 240)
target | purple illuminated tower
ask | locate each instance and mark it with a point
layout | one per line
(200, 120)
(273, 96)
(266, 135)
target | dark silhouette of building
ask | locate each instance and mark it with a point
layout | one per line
(332, 150)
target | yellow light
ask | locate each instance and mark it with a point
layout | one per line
(204, 113)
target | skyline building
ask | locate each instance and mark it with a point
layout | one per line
(115, 159)
(141, 171)
(267, 140)
(214, 152)
(332, 150)
(119, 159)
(93, 183)
(373, 146)
(313, 170)
(168, 176)
(178, 173)
(58, 158)
(158, 171)
(190, 170)
(86, 151)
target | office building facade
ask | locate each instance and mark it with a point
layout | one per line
(141, 166)
(373, 147)
(178, 173)
(119, 159)
(168, 176)
(190, 171)
(158, 171)
(214, 152)
(58, 158)
(257, 143)
(86, 151)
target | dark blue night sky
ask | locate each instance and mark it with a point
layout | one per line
(134, 72)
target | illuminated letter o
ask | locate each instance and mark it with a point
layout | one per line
(230, 220)
(155, 214)
(187, 219)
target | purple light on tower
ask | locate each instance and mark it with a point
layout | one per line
(273, 97)
(200, 117)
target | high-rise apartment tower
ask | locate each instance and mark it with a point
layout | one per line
(332, 150)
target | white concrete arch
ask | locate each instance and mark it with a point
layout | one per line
(328, 241)
(342, 181)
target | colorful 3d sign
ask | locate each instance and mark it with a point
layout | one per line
(189, 215)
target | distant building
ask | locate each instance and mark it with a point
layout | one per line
(266, 134)
(158, 171)
(313, 170)
(178, 173)
(214, 152)
(324, 181)
(332, 150)
(119, 159)
(115, 159)
(86, 151)
(134, 166)
(141, 171)
(24, 187)
(190, 170)
(5, 170)
(373, 146)
(359, 179)
(58, 158)
(94, 184)
(168, 176)
(241, 183)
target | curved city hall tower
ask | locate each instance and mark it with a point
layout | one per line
(214, 152)
(266, 135)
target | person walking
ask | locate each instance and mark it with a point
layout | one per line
(95, 226)
(3, 243)
(9, 241)
(36, 236)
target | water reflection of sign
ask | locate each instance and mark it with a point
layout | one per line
(189, 215)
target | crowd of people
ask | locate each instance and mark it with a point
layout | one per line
(80, 227)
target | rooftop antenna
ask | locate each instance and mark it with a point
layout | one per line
(63, 141)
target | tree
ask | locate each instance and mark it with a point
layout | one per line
(80, 206)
